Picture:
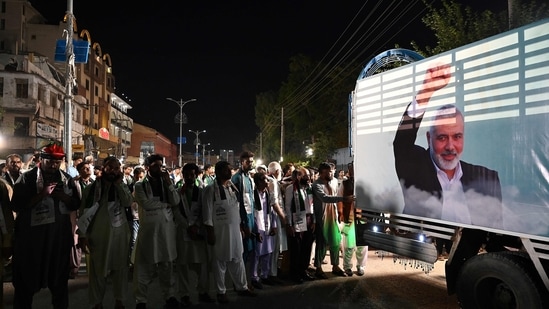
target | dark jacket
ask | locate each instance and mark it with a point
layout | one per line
(419, 182)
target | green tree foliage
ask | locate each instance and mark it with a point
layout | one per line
(530, 12)
(314, 106)
(454, 25)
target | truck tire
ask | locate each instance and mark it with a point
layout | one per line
(499, 280)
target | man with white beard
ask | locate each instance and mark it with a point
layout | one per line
(435, 182)
(274, 175)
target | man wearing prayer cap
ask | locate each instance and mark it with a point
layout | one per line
(43, 199)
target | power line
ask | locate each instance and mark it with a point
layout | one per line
(316, 81)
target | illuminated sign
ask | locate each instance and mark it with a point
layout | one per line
(104, 133)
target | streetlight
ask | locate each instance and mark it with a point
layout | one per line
(204, 153)
(210, 156)
(229, 151)
(197, 142)
(181, 119)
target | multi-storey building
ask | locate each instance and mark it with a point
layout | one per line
(101, 125)
(32, 105)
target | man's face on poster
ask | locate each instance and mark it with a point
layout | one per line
(445, 140)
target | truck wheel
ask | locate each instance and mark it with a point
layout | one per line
(499, 280)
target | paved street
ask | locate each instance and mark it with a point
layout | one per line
(388, 283)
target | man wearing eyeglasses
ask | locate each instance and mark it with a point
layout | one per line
(14, 163)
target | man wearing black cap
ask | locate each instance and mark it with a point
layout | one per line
(43, 198)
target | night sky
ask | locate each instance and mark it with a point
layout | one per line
(224, 53)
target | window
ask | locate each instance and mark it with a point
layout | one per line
(53, 99)
(147, 148)
(87, 84)
(79, 115)
(96, 90)
(3, 6)
(2, 24)
(22, 88)
(21, 126)
(42, 93)
(1, 87)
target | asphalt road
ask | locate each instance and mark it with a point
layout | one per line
(388, 283)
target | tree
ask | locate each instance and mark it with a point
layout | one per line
(315, 111)
(455, 26)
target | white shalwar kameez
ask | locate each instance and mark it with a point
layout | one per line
(155, 248)
(224, 216)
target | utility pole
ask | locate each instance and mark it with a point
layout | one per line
(512, 6)
(70, 80)
(204, 153)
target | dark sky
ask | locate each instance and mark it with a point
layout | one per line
(224, 52)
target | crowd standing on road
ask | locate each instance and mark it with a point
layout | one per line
(143, 223)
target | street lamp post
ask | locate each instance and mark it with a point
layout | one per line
(204, 153)
(210, 156)
(181, 103)
(197, 142)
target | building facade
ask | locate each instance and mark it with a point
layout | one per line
(147, 141)
(100, 127)
(32, 105)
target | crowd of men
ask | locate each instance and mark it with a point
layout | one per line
(145, 222)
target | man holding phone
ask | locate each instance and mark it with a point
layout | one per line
(43, 198)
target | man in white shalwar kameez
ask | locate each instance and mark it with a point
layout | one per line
(193, 254)
(107, 234)
(277, 202)
(155, 248)
(222, 219)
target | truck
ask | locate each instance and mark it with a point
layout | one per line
(456, 147)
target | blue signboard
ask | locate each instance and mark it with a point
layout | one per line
(80, 49)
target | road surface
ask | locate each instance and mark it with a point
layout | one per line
(388, 283)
